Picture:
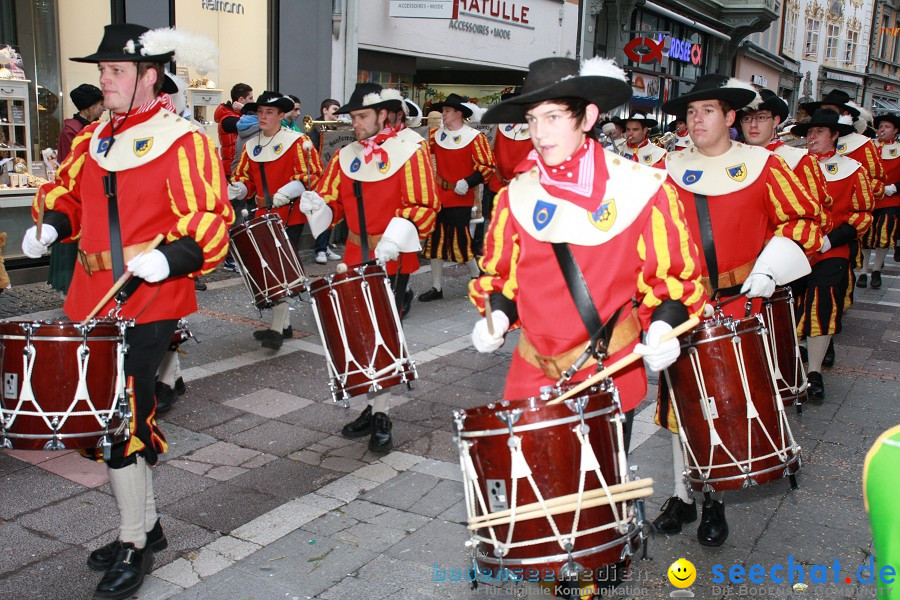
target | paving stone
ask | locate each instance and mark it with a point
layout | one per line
(183, 441)
(437, 542)
(320, 501)
(10, 464)
(347, 488)
(444, 495)
(20, 547)
(223, 507)
(438, 445)
(154, 588)
(353, 587)
(378, 472)
(191, 466)
(63, 575)
(179, 572)
(75, 520)
(223, 454)
(278, 522)
(335, 463)
(240, 423)
(330, 524)
(268, 403)
(403, 491)
(285, 478)
(200, 415)
(436, 468)
(401, 461)
(371, 536)
(276, 438)
(24, 490)
(225, 473)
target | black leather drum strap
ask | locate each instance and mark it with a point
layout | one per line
(706, 238)
(115, 232)
(584, 302)
(361, 210)
(265, 185)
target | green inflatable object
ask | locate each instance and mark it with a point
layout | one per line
(881, 482)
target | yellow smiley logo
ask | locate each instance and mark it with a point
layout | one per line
(682, 573)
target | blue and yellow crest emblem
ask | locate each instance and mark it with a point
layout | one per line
(737, 172)
(443, 135)
(355, 165)
(648, 159)
(628, 156)
(832, 168)
(142, 146)
(605, 215)
(509, 127)
(690, 177)
(384, 166)
(278, 148)
(842, 147)
(104, 144)
(892, 152)
(543, 213)
(457, 139)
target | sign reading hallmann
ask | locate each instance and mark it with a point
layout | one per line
(498, 11)
(221, 6)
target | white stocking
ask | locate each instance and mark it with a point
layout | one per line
(816, 347)
(129, 486)
(280, 316)
(880, 254)
(474, 271)
(437, 270)
(678, 471)
(380, 401)
(169, 368)
(150, 514)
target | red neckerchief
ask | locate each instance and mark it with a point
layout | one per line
(150, 105)
(634, 149)
(825, 155)
(774, 144)
(372, 146)
(575, 174)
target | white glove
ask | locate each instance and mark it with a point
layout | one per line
(462, 186)
(759, 285)
(280, 199)
(34, 248)
(657, 354)
(237, 191)
(484, 341)
(890, 190)
(826, 246)
(386, 250)
(311, 202)
(150, 266)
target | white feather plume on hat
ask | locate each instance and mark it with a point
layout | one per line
(477, 111)
(191, 49)
(372, 98)
(864, 119)
(602, 67)
(734, 82)
(391, 94)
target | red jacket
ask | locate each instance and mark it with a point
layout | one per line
(227, 141)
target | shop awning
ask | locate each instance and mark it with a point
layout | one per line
(885, 105)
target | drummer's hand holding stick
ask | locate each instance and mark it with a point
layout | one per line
(489, 333)
(624, 362)
(237, 190)
(311, 202)
(150, 265)
(287, 193)
(38, 237)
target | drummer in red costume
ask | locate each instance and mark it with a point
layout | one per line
(851, 216)
(276, 167)
(616, 223)
(464, 161)
(391, 180)
(885, 230)
(753, 220)
(638, 147)
(156, 174)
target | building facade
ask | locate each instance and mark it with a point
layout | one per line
(882, 88)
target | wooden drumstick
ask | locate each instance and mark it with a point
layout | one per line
(40, 219)
(488, 313)
(623, 362)
(120, 282)
(628, 486)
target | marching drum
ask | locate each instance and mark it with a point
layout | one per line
(63, 384)
(778, 317)
(547, 487)
(731, 420)
(356, 314)
(269, 263)
(181, 335)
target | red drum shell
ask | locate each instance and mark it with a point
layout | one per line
(54, 380)
(553, 454)
(713, 343)
(783, 338)
(360, 330)
(254, 242)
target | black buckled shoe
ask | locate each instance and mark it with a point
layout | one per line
(828, 361)
(180, 388)
(432, 294)
(272, 339)
(126, 575)
(713, 529)
(381, 434)
(876, 280)
(199, 285)
(408, 298)
(165, 398)
(815, 388)
(102, 558)
(261, 334)
(675, 513)
(359, 427)
(862, 281)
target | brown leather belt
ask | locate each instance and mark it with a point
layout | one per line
(102, 261)
(627, 330)
(354, 238)
(443, 183)
(729, 278)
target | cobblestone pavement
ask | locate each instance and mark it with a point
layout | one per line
(262, 498)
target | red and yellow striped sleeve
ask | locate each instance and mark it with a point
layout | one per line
(791, 209)
(671, 265)
(242, 174)
(875, 169)
(483, 157)
(63, 194)
(810, 175)
(328, 186)
(420, 202)
(500, 258)
(431, 144)
(307, 163)
(862, 203)
(197, 193)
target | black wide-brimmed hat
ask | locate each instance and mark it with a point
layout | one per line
(642, 118)
(598, 80)
(453, 101)
(715, 87)
(267, 98)
(368, 95)
(85, 95)
(121, 43)
(772, 103)
(890, 118)
(411, 109)
(823, 117)
(835, 97)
